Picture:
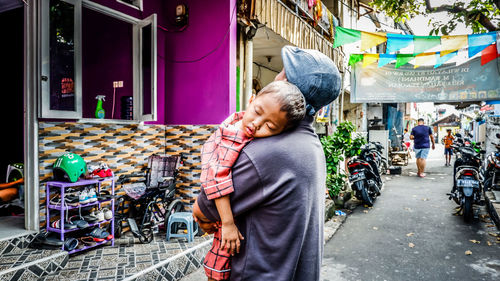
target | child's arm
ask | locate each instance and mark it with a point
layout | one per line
(231, 236)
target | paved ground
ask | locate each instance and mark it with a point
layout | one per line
(411, 233)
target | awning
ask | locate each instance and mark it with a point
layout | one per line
(284, 22)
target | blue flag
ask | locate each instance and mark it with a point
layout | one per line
(478, 42)
(396, 42)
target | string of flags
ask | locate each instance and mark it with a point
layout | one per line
(486, 43)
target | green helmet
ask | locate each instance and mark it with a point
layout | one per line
(69, 166)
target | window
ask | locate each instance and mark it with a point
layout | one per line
(137, 4)
(88, 49)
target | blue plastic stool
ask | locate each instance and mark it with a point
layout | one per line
(182, 217)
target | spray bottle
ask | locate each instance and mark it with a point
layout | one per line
(99, 111)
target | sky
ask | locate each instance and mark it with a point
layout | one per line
(420, 24)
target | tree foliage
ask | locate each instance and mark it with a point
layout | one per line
(479, 15)
(337, 147)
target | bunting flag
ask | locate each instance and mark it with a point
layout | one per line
(396, 42)
(489, 53)
(371, 39)
(478, 42)
(433, 58)
(345, 36)
(425, 59)
(474, 43)
(440, 59)
(354, 58)
(369, 59)
(451, 43)
(424, 43)
(385, 59)
(402, 59)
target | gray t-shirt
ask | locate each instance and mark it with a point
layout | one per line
(278, 204)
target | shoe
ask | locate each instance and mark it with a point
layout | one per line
(92, 195)
(107, 213)
(99, 215)
(422, 175)
(83, 197)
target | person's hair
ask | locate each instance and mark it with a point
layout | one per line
(420, 120)
(290, 99)
(406, 130)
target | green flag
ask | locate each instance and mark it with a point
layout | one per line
(345, 36)
(402, 59)
(354, 58)
(424, 43)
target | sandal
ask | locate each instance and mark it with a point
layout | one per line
(99, 234)
(104, 195)
(80, 223)
(87, 241)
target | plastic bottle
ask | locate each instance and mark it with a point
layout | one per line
(99, 111)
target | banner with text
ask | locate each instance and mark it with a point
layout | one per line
(456, 83)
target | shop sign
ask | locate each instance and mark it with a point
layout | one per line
(469, 81)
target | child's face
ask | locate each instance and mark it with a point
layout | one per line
(263, 117)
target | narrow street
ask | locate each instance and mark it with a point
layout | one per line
(411, 233)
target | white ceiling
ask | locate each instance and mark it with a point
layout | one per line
(267, 43)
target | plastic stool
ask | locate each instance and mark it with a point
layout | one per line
(182, 217)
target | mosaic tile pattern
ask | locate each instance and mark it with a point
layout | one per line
(29, 264)
(188, 140)
(129, 256)
(21, 242)
(125, 148)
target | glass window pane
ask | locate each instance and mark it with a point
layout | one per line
(146, 70)
(62, 56)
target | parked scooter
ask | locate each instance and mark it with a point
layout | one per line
(491, 169)
(467, 182)
(364, 179)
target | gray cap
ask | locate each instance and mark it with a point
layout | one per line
(314, 74)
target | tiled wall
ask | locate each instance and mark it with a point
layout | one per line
(125, 148)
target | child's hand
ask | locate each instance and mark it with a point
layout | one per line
(230, 239)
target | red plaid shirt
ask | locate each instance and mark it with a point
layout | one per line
(218, 155)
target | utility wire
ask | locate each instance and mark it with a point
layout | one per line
(218, 45)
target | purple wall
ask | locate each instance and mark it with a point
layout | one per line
(150, 7)
(201, 92)
(106, 57)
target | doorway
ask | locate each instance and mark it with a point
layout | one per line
(12, 207)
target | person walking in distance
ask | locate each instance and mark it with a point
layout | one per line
(407, 139)
(448, 151)
(421, 144)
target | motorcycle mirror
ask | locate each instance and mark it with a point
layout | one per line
(498, 135)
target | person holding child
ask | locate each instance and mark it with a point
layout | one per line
(277, 107)
(278, 182)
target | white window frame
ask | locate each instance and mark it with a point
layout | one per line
(44, 105)
(137, 24)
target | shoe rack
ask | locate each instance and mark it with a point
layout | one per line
(62, 188)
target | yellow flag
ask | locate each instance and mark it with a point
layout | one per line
(372, 39)
(425, 58)
(451, 43)
(369, 59)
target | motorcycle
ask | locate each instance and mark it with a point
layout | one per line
(364, 178)
(467, 182)
(491, 169)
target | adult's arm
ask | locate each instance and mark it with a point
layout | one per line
(248, 190)
(412, 137)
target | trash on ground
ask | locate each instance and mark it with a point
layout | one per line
(339, 213)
